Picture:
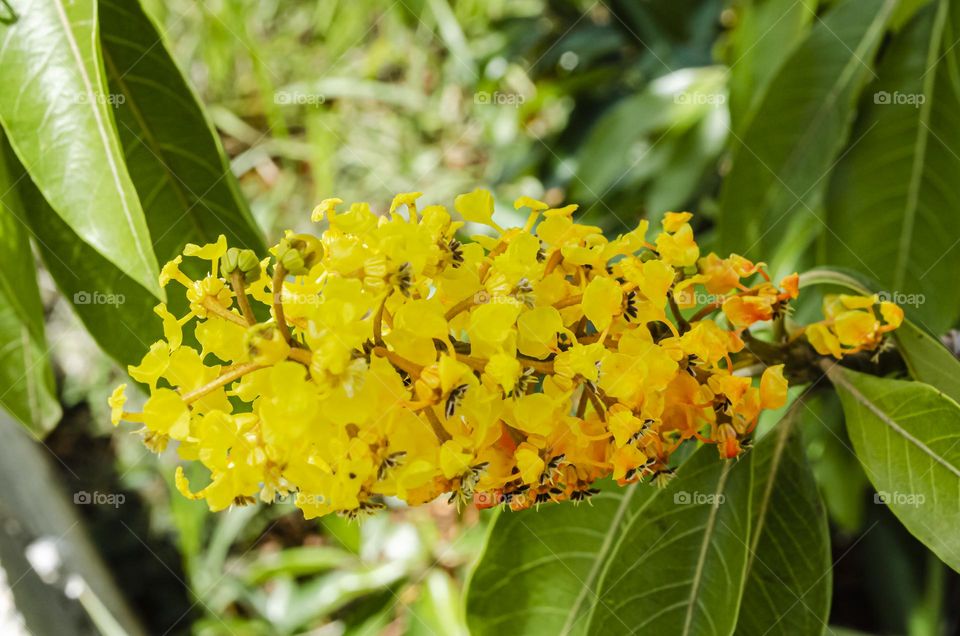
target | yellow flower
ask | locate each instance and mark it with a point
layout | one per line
(116, 402)
(166, 413)
(678, 249)
(153, 364)
(522, 366)
(601, 301)
(773, 388)
(476, 207)
(327, 208)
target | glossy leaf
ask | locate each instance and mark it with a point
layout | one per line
(27, 388)
(56, 110)
(175, 160)
(907, 436)
(539, 571)
(116, 309)
(789, 578)
(765, 35)
(797, 129)
(680, 566)
(891, 197)
(928, 360)
(663, 561)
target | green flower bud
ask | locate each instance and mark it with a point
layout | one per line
(298, 253)
(245, 261)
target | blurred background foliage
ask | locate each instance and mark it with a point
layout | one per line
(627, 108)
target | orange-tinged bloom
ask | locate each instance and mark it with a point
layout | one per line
(402, 359)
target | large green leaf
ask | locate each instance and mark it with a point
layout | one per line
(116, 309)
(630, 142)
(781, 157)
(26, 380)
(680, 566)
(765, 34)
(789, 573)
(907, 435)
(663, 561)
(892, 203)
(175, 160)
(928, 360)
(538, 573)
(56, 108)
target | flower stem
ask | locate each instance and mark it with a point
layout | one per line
(229, 376)
(240, 291)
(279, 274)
(216, 308)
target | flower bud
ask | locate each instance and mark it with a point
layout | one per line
(245, 261)
(298, 253)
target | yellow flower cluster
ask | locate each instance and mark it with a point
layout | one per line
(852, 324)
(384, 358)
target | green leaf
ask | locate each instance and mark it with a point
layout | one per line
(789, 578)
(116, 309)
(437, 609)
(928, 360)
(539, 570)
(27, 388)
(765, 34)
(617, 152)
(786, 149)
(906, 435)
(891, 198)
(175, 160)
(839, 474)
(663, 561)
(56, 111)
(680, 565)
